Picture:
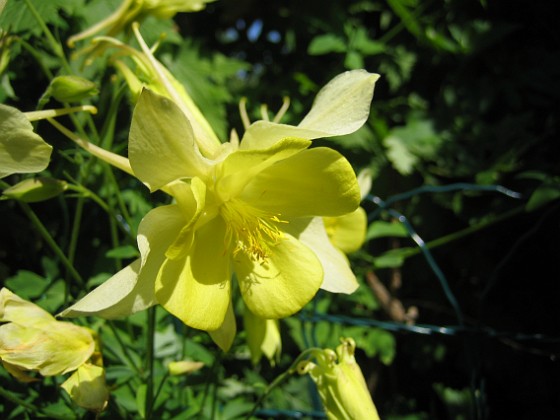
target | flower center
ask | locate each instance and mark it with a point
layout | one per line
(251, 230)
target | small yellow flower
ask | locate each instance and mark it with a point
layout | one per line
(33, 340)
(340, 383)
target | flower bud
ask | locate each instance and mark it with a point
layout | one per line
(72, 88)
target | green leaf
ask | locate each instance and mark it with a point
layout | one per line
(543, 195)
(18, 18)
(123, 252)
(141, 400)
(392, 259)
(407, 145)
(325, 44)
(381, 229)
(27, 284)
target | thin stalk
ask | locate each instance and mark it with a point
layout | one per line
(282, 377)
(30, 407)
(151, 313)
(51, 242)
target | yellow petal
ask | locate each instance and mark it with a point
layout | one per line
(314, 182)
(162, 146)
(56, 348)
(87, 387)
(15, 309)
(225, 335)
(338, 277)
(347, 232)
(196, 288)
(282, 284)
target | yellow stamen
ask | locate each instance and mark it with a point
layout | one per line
(251, 230)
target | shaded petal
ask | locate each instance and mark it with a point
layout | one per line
(338, 277)
(281, 285)
(132, 289)
(161, 145)
(196, 288)
(87, 387)
(314, 182)
(115, 298)
(347, 232)
(225, 335)
(241, 166)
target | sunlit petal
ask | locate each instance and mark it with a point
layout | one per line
(315, 182)
(281, 285)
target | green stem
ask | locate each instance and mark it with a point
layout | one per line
(150, 362)
(282, 377)
(465, 232)
(51, 242)
(124, 348)
(30, 407)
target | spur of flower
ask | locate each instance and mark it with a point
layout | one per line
(32, 340)
(248, 209)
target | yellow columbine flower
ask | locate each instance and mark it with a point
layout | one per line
(340, 383)
(33, 340)
(253, 209)
(136, 10)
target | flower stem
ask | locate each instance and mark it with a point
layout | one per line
(150, 362)
(51, 242)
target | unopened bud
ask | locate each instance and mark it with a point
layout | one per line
(72, 88)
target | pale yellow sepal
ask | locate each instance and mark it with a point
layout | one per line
(21, 150)
(263, 337)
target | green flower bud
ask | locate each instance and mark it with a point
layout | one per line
(35, 189)
(72, 88)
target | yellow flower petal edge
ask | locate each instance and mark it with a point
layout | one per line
(32, 340)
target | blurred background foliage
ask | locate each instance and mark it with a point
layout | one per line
(469, 98)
